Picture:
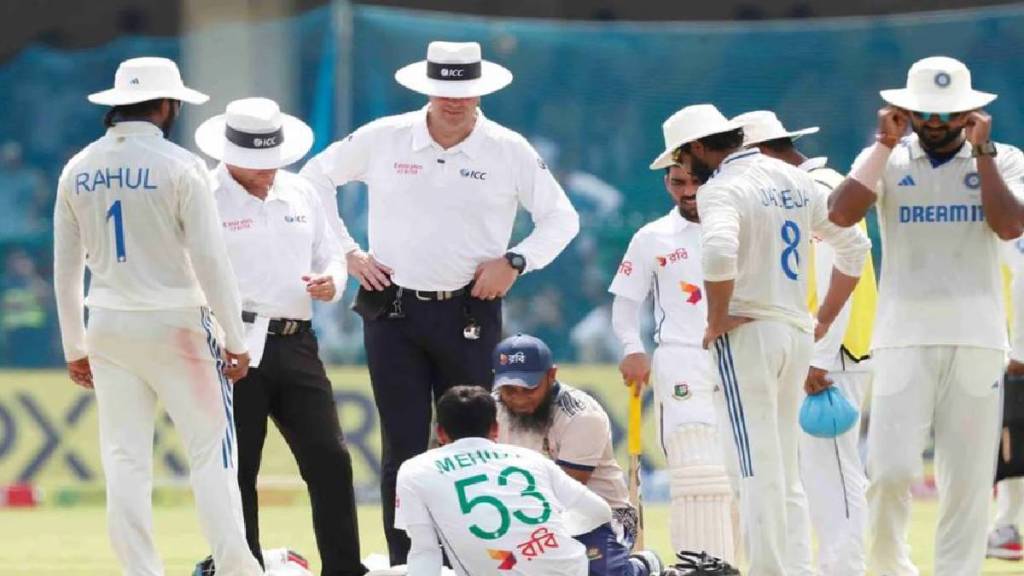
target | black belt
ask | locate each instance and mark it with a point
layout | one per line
(430, 296)
(280, 326)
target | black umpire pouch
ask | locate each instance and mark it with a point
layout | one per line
(1010, 461)
(374, 304)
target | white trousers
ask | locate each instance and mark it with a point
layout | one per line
(683, 389)
(1009, 502)
(762, 366)
(835, 482)
(170, 356)
(954, 390)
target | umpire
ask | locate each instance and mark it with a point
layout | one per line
(284, 255)
(444, 186)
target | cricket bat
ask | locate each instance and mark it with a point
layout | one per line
(636, 448)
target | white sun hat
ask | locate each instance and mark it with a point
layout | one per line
(254, 133)
(689, 124)
(938, 85)
(763, 125)
(147, 78)
(454, 70)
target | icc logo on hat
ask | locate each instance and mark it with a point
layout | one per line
(942, 79)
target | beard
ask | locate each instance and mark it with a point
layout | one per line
(932, 141)
(686, 211)
(699, 169)
(536, 422)
(168, 123)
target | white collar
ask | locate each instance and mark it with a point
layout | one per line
(131, 127)
(813, 163)
(236, 189)
(421, 138)
(737, 155)
(678, 222)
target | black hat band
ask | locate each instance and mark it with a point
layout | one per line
(252, 141)
(456, 72)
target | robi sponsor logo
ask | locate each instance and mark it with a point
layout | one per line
(475, 175)
(692, 292)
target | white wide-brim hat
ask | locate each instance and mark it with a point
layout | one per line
(454, 70)
(938, 85)
(763, 125)
(253, 133)
(147, 78)
(689, 124)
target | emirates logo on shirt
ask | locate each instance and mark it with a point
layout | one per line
(406, 169)
(236, 225)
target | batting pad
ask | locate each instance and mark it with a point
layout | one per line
(702, 496)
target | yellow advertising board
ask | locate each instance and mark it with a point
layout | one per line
(48, 430)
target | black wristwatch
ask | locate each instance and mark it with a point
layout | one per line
(516, 261)
(986, 149)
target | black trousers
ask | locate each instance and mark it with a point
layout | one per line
(412, 361)
(291, 387)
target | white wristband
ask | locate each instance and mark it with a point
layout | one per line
(869, 171)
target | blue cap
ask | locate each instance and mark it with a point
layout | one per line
(827, 414)
(521, 360)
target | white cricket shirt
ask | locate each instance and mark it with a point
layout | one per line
(497, 509)
(580, 437)
(664, 258)
(940, 282)
(274, 242)
(1013, 256)
(757, 216)
(828, 353)
(139, 211)
(435, 214)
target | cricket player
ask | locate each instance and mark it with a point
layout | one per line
(1004, 541)
(946, 195)
(757, 216)
(663, 260)
(537, 411)
(831, 469)
(495, 508)
(138, 211)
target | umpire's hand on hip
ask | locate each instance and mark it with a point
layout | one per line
(372, 275)
(493, 279)
(320, 287)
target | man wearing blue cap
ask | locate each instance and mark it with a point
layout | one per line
(537, 411)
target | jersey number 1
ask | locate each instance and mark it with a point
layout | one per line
(115, 213)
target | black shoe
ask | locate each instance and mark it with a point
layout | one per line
(700, 564)
(204, 568)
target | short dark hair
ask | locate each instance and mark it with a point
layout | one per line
(466, 412)
(778, 145)
(136, 111)
(723, 140)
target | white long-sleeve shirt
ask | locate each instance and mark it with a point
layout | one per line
(497, 509)
(435, 214)
(828, 352)
(664, 258)
(1013, 256)
(276, 241)
(757, 216)
(139, 211)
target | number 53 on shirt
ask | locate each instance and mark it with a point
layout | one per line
(467, 504)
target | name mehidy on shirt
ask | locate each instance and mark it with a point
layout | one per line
(785, 199)
(108, 178)
(461, 460)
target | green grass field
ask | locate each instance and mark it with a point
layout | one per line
(52, 541)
